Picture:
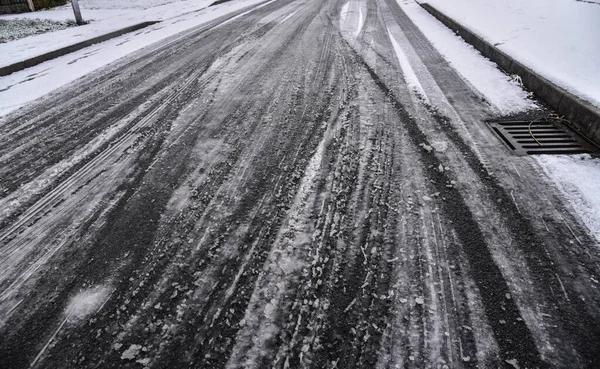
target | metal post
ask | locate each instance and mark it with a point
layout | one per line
(77, 12)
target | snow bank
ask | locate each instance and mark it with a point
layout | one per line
(499, 89)
(560, 39)
(578, 178)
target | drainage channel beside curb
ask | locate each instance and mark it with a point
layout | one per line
(541, 137)
(583, 116)
(5, 71)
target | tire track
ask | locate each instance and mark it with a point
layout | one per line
(283, 199)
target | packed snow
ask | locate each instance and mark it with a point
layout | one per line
(410, 77)
(560, 39)
(87, 302)
(352, 9)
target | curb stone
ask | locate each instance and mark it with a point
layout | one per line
(6, 70)
(584, 117)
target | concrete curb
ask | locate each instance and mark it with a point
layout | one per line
(5, 71)
(585, 117)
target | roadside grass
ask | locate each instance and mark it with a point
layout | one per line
(14, 29)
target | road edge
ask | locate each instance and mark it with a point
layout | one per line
(27, 63)
(583, 116)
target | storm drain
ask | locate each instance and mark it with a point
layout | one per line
(541, 137)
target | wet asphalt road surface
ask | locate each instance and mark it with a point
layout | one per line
(266, 191)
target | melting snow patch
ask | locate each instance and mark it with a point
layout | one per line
(270, 309)
(439, 145)
(131, 352)
(144, 361)
(426, 147)
(86, 302)
(514, 363)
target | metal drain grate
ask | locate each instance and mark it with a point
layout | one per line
(527, 138)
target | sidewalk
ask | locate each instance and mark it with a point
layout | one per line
(20, 88)
(102, 21)
(559, 39)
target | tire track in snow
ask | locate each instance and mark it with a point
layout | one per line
(290, 145)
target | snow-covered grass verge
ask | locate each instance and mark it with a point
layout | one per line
(578, 178)
(14, 29)
(559, 39)
(103, 21)
(27, 85)
(498, 88)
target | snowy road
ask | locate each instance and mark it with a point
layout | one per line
(294, 186)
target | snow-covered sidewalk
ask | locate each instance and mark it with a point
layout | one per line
(102, 21)
(20, 88)
(559, 39)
